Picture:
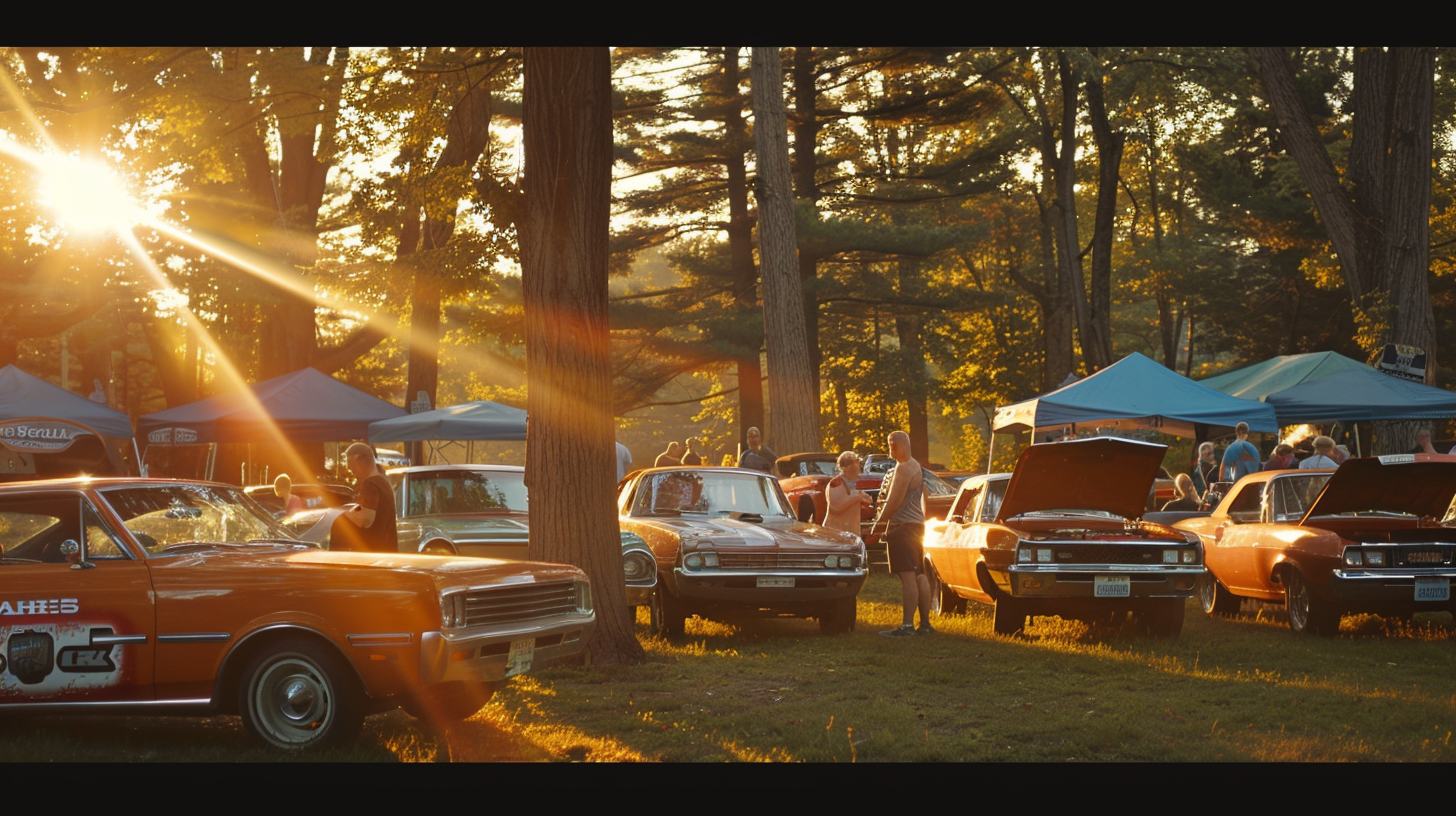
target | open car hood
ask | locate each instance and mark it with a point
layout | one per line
(1113, 475)
(1420, 484)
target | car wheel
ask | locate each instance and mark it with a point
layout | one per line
(1215, 598)
(665, 615)
(1307, 613)
(838, 617)
(1165, 618)
(1008, 618)
(453, 703)
(943, 599)
(299, 695)
(806, 508)
(438, 547)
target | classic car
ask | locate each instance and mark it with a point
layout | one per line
(147, 595)
(804, 477)
(728, 546)
(312, 495)
(472, 510)
(1373, 536)
(1060, 536)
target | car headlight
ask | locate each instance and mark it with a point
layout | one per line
(1190, 556)
(638, 566)
(1353, 557)
(452, 610)
(1170, 556)
(583, 597)
(1375, 558)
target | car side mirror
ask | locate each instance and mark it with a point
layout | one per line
(72, 551)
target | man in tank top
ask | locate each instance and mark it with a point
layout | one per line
(904, 507)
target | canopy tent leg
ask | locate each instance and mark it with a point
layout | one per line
(141, 463)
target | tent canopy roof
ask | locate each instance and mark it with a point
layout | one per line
(26, 396)
(1136, 392)
(306, 406)
(1361, 395)
(1259, 380)
(466, 421)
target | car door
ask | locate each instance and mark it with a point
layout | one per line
(76, 626)
(1232, 555)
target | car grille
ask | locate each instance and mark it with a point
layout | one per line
(770, 560)
(1426, 555)
(519, 603)
(1107, 553)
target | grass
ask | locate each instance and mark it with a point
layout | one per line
(1242, 689)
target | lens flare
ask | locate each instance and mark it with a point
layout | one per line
(87, 196)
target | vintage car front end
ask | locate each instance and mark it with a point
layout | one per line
(713, 574)
(1138, 563)
(1415, 574)
(639, 569)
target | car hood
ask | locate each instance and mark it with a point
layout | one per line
(1107, 474)
(729, 533)
(1420, 484)
(442, 570)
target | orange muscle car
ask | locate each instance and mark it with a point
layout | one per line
(1059, 536)
(1373, 536)
(149, 595)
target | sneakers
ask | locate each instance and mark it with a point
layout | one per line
(925, 629)
(904, 631)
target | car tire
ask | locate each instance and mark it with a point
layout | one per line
(299, 695)
(806, 509)
(665, 615)
(1165, 618)
(1215, 598)
(438, 547)
(1306, 611)
(1008, 617)
(450, 704)
(943, 599)
(839, 616)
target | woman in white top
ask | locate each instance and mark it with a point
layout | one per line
(1323, 447)
(843, 499)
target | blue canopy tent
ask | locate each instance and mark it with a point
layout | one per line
(1361, 395)
(467, 422)
(1259, 380)
(63, 429)
(1136, 392)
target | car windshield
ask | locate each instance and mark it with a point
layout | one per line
(825, 467)
(174, 516)
(709, 493)
(449, 492)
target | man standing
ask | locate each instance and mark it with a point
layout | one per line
(758, 456)
(372, 519)
(624, 461)
(1241, 458)
(1205, 470)
(690, 456)
(905, 510)
(670, 457)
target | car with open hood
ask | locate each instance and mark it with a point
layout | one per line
(160, 596)
(728, 546)
(473, 510)
(1061, 536)
(1374, 535)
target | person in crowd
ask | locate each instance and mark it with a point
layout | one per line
(1187, 494)
(1340, 454)
(1241, 457)
(690, 456)
(671, 456)
(1282, 458)
(369, 524)
(758, 456)
(904, 509)
(624, 461)
(843, 499)
(1423, 442)
(1205, 470)
(1322, 458)
(283, 489)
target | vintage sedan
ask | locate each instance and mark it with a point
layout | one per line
(473, 510)
(1373, 536)
(1060, 536)
(728, 546)
(146, 595)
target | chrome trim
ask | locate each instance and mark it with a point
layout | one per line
(381, 639)
(1395, 573)
(751, 573)
(1102, 569)
(103, 640)
(196, 637)
(200, 702)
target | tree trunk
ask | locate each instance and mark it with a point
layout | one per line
(740, 247)
(806, 188)
(793, 405)
(1110, 143)
(570, 453)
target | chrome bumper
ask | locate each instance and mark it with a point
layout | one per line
(1079, 580)
(483, 657)
(1396, 584)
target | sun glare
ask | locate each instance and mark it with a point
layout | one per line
(87, 197)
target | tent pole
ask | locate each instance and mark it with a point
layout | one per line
(990, 449)
(141, 464)
(1356, 426)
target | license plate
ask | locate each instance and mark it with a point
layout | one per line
(774, 581)
(1433, 589)
(1111, 586)
(519, 660)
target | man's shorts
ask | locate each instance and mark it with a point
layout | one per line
(905, 544)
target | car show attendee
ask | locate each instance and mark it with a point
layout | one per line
(1241, 457)
(283, 489)
(1324, 448)
(690, 456)
(758, 456)
(843, 500)
(624, 461)
(370, 524)
(671, 456)
(1187, 494)
(1205, 470)
(905, 539)
(1423, 442)
(1282, 458)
